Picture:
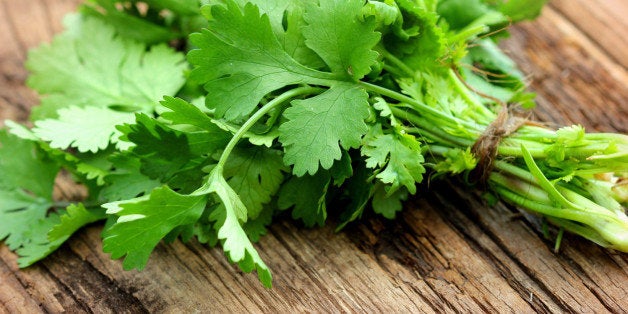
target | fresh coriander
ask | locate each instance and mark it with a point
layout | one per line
(287, 105)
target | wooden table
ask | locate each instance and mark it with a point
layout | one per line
(448, 251)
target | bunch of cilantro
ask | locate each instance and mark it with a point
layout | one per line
(188, 119)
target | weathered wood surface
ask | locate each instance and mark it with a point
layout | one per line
(447, 252)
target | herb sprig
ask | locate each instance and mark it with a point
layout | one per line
(286, 105)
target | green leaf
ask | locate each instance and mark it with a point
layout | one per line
(240, 60)
(255, 174)
(45, 234)
(342, 169)
(23, 165)
(126, 180)
(286, 20)
(256, 228)
(488, 53)
(228, 217)
(87, 129)
(359, 191)
(19, 213)
(143, 222)
(306, 196)
(184, 113)
(149, 21)
(385, 13)
(293, 41)
(457, 161)
(388, 204)
(88, 65)
(205, 135)
(519, 10)
(163, 151)
(318, 127)
(94, 166)
(74, 218)
(183, 7)
(334, 31)
(37, 246)
(422, 43)
(27, 178)
(398, 156)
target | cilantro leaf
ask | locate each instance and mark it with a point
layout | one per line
(20, 212)
(457, 161)
(286, 20)
(162, 150)
(240, 60)
(143, 222)
(307, 196)
(519, 10)
(72, 219)
(27, 178)
(205, 136)
(44, 235)
(127, 23)
(126, 181)
(342, 169)
(423, 46)
(255, 174)
(293, 40)
(318, 127)
(388, 204)
(399, 156)
(93, 67)
(228, 217)
(460, 13)
(335, 33)
(87, 129)
(256, 228)
(37, 245)
(93, 166)
(18, 159)
(359, 191)
(183, 113)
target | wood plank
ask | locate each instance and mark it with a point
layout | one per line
(604, 23)
(576, 80)
(448, 251)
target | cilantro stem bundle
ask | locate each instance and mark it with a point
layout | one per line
(286, 106)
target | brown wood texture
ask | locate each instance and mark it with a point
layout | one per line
(447, 252)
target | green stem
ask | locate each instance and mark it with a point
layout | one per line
(532, 192)
(579, 229)
(543, 208)
(623, 138)
(468, 32)
(470, 98)
(396, 62)
(430, 128)
(424, 109)
(512, 170)
(393, 70)
(258, 115)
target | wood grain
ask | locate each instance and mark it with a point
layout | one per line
(447, 252)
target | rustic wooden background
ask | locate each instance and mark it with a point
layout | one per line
(447, 252)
